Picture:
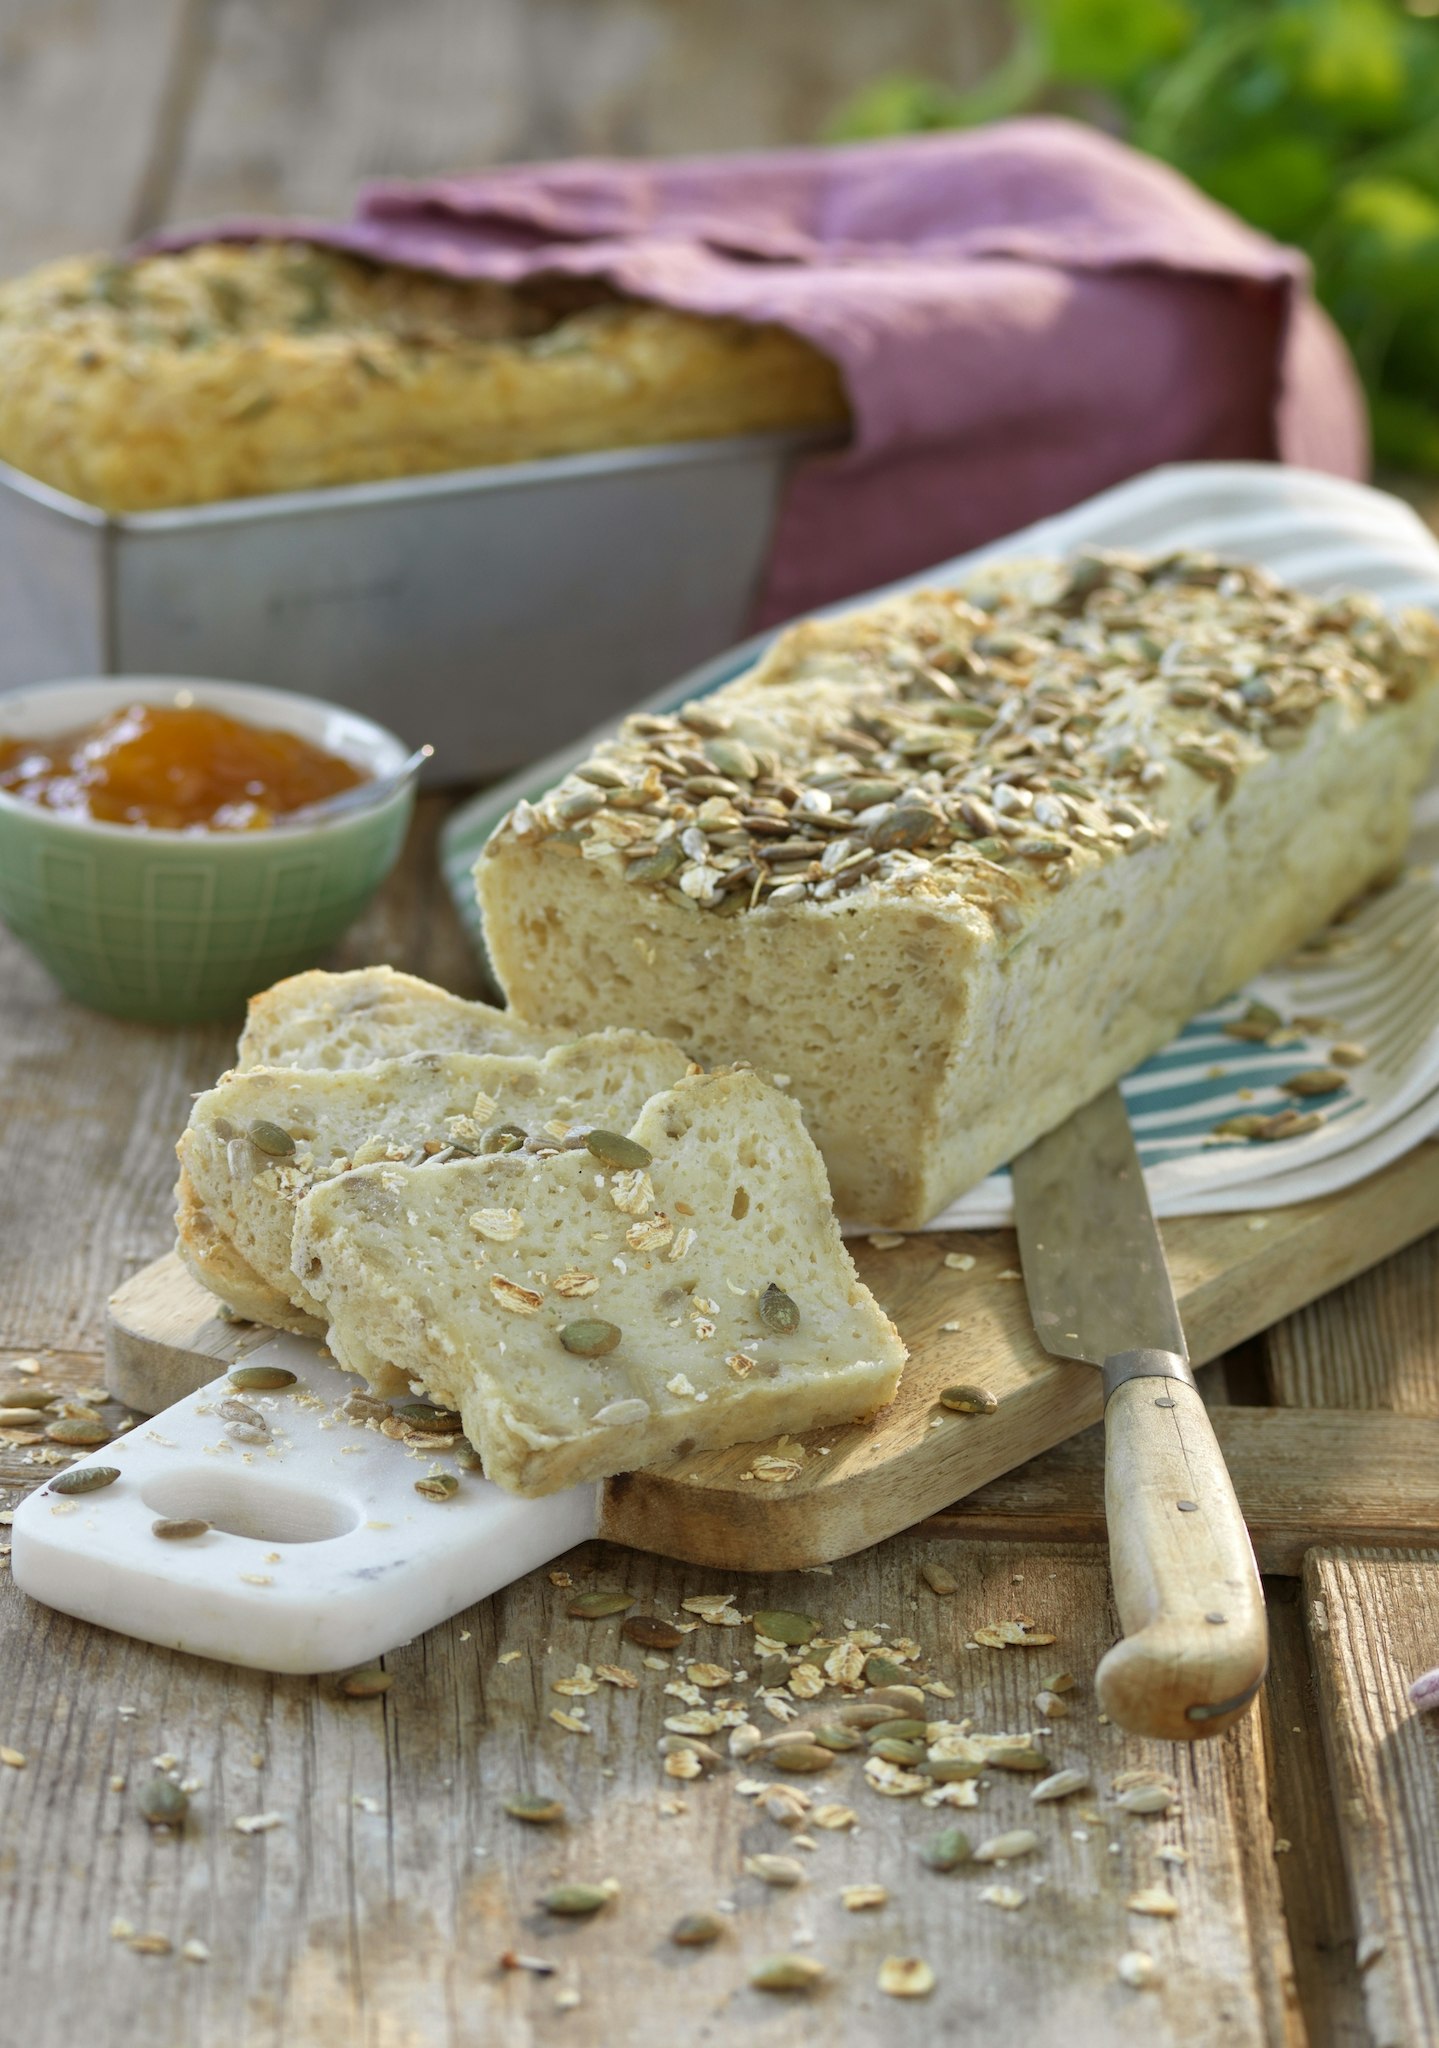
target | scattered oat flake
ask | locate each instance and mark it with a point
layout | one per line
(509, 1657)
(1170, 1852)
(886, 1240)
(121, 1930)
(16, 1758)
(499, 1226)
(833, 1818)
(616, 1674)
(681, 1386)
(520, 1301)
(150, 1944)
(999, 1635)
(682, 1763)
(774, 1470)
(905, 1977)
(571, 1721)
(960, 1262)
(257, 1823)
(858, 1898)
(1136, 1969)
(713, 1607)
(1154, 1900)
(890, 1781)
(577, 1687)
(1004, 1896)
(709, 1675)
(740, 1364)
(575, 1285)
(632, 1193)
(194, 1951)
(806, 1681)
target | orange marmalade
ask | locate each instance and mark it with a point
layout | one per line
(174, 768)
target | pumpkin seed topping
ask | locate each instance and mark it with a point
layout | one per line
(261, 1379)
(612, 1148)
(535, 1808)
(272, 1138)
(1314, 1081)
(437, 1486)
(163, 1804)
(84, 1479)
(590, 1337)
(179, 1531)
(778, 1312)
(82, 1432)
(598, 1605)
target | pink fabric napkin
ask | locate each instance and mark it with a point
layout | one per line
(1023, 314)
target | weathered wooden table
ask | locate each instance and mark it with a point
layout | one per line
(1303, 1849)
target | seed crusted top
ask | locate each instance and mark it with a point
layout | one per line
(984, 742)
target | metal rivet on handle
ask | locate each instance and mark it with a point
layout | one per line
(1188, 1507)
(1214, 1617)
(1165, 1402)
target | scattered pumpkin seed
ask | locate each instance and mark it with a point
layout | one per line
(179, 1531)
(837, 1738)
(163, 1803)
(574, 1900)
(271, 1138)
(1006, 1847)
(801, 1757)
(969, 1400)
(612, 1148)
(786, 1973)
(590, 1337)
(1019, 1760)
(437, 1486)
(906, 826)
(906, 1729)
(880, 1670)
(536, 1809)
(426, 1416)
(773, 1668)
(1059, 1785)
(938, 1579)
(946, 1850)
(80, 1431)
(905, 1977)
(84, 1479)
(778, 1312)
(949, 1770)
(241, 1411)
(261, 1379)
(1146, 1798)
(905, 1754)
(783, 1626)
(366, 1684)
(28, 1397)
(696, 1930)
(596, 1606)
(650, 1633)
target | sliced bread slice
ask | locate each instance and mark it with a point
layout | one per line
(262, 1138)
(374, 1013)
(592, 1311)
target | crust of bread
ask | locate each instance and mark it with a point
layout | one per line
(212, 1258)
(227, 371)
(319, 1019)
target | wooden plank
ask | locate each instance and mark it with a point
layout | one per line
(296, 111)
(1373, 1624)
(376, 1911)
(1303, 1477)
(1307, 1857)
(857, 1485)
(82, 87)
(1372, 1344)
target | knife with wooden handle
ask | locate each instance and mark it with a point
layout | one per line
(1196, 1642)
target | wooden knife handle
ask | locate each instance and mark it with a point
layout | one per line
(1196, 1641)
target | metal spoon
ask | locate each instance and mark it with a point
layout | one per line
(364, 794)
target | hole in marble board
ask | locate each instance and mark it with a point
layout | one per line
(243, 1505)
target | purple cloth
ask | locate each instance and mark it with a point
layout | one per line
(1023, 315)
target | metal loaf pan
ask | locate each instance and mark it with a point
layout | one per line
(495, 613)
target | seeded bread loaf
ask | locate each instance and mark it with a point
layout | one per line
(373, 1013)
(231, 369)
(260, 1139)
(955, 862)
(589, 1315)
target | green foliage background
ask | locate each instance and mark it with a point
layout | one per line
(1317, 120)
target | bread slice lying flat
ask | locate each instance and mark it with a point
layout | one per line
(261, 1139)
(373, 1013)
(587, 1318)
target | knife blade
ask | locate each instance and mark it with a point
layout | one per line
(1195, 1645)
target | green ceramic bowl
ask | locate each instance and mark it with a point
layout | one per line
(174, 927)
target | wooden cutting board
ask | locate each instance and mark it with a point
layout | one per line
(1233, 1276)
